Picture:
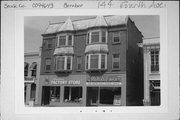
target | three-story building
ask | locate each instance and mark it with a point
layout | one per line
(91, 62)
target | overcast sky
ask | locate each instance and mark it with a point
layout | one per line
(35, 26)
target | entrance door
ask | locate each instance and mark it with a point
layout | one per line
(45, 95)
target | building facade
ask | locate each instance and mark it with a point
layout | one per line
(151, 48)
(31, 77)
(91, 62)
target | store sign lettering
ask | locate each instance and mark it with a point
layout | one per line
(104, 79)
(65, 82)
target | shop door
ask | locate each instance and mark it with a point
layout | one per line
(155, 97)
(45, 95)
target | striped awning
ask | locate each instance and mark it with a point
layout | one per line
(96, 48)
(64, 51)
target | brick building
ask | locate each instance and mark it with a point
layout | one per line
(91, 62)
(31, 77)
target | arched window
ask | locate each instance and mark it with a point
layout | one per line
(33, 68)
(26, 65)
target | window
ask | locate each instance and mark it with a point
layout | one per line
(49, 44)
(115, 61)
(96, 37)
(79, 62)
(102, 96)
(33, 68)
(63, 63)
(26, 65)
(155, 92)
(48, 64)
(55, 94)
(73, 94)
(116, 37)
(65, 40)
(96, 61)
(155, 60)
(62, 40)
(70, 40)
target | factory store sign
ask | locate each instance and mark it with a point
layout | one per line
(65, 82)
(104, 78)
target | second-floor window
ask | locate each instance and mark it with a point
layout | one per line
(116, 61)
(79, 63)
(96, 61)
(33, 69)
(97, 37)
(65, 40)
(26, 65)
(49, 44)
(47, 64)
(63, 63)
(116, 37)
(155, 60)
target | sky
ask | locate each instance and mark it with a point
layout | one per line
(34, 26)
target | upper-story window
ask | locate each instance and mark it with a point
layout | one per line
(155, 60)
(96, 61)
(47, 64)
(26, 65)
(98, 36)
(116, 37)
(63, 63)
(33, 69)
(65, 40)
(49, 44)
(116, 61)
(79, 63)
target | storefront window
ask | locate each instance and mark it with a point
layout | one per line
(73, 94)
(102, 96)
(55, 94)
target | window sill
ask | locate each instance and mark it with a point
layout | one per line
(62, 71)
(155, 73)
(114, 43)
(94, 70)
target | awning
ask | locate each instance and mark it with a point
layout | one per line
(33, 65)
(97, 48)
(64, 51)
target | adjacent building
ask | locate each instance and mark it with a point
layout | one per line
(91, 62)
(151, 48)
(31, 77)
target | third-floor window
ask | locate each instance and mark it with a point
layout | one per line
(65, 40)
(98, 36)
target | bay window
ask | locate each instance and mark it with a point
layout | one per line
(98, 36)
(96, 61)
(65, 40)
(63, 63)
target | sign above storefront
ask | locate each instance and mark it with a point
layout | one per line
(65, 82)
(104, 78)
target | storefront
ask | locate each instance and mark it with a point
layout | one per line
(105, 90)
(63, 91)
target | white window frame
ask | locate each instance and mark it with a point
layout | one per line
(113, 62)
(66, 42)
(99, 61)
(100, 36)
(155, 71)
(119, 37)
(65, 62)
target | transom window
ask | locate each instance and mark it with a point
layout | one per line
(96, 61)
(155, 60)
(97, 37)
(65, 40)
(116, 61)
(63, 63)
